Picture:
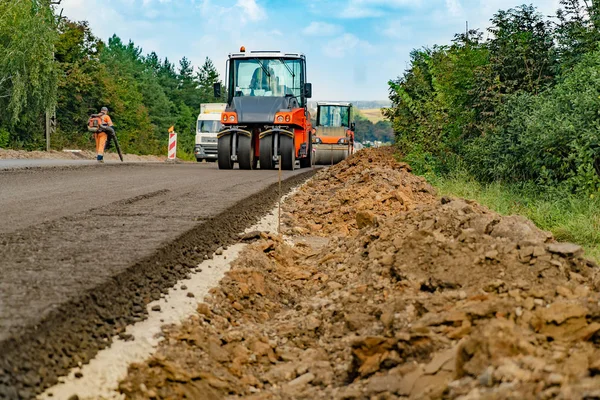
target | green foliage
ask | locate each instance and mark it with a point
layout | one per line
(578, 30)
(27, 74)
(27, 70)
(79, 89)
(208, 76)
(522, 52)
(551, 139)
(47, 62)
(4, 138)
(368, 131)
(519, 107)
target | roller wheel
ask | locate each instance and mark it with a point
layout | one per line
(288, 153)
(266, 153)
(307, 161)
(245, 153)
(224, 152)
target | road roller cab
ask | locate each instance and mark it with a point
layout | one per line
(334, 139)
(266, 115)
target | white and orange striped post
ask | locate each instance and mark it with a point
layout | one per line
(172, 144)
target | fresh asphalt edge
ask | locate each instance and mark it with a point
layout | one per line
(74, 332)
(29, 169)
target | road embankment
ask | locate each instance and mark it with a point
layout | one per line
(83, 250)
(383, 290)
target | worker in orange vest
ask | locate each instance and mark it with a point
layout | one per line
(102, 136)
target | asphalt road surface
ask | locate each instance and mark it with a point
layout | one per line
(32, 163)
(83, 248)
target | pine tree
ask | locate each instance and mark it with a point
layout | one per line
(187, 86)
(207, 77)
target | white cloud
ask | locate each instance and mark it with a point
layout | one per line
(251, 10)
(151, 13)
(224, 17)
(344, 44)
(105, 18)
(396, 29)
(389, 3)
(322, 29)
(454, 8)
(375, 8)
(359, 12)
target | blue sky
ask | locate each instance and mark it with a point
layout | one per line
(353, 47)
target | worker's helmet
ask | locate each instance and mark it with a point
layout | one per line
(104, 110)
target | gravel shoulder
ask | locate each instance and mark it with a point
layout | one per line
(83, 250)
(53, 155)
(382, 290)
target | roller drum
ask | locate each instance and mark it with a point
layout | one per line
(330, 154)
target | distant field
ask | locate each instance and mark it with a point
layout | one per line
(374, 114)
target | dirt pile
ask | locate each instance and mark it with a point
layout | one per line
(348, 196)
(418, 298)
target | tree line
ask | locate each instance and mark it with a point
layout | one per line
(367, 131)
(48, 62)
(519, 104)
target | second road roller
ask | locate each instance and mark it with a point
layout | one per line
(333, 138)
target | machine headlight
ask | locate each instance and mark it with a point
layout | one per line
(343, 141)
(230, 117)
(317, 140)
(283, 116)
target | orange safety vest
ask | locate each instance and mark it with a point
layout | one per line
(106, 120)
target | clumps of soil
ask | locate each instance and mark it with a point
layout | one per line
(429, 299)
(350, 195)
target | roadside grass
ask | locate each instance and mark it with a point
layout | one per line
(570, 218)
(185, 156)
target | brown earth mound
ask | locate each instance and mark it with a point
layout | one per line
(387, 292)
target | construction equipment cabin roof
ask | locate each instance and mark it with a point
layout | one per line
(334, 103)
(265, 54)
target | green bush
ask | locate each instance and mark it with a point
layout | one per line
(4, 138)
(552, 139)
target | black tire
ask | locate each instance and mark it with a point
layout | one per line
(266, 153)
(245, 153)
(307, 161)
(288, 153)
(224, 152)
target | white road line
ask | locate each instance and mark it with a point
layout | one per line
(100, 378)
